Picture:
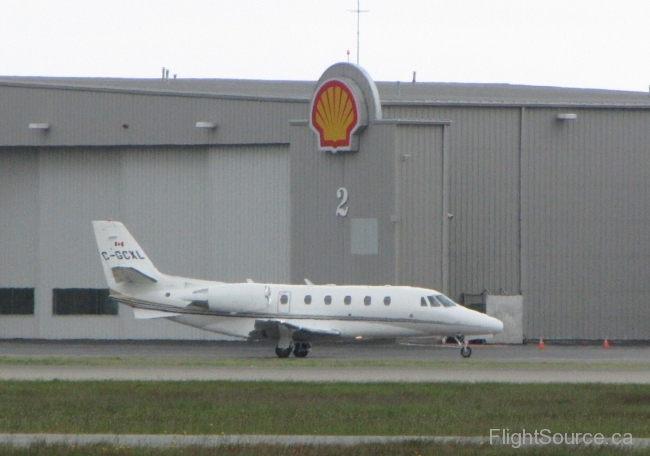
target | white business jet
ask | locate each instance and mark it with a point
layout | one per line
(295, 315)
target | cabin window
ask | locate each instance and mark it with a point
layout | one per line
(347, 300)
(82, 301)
(367, 300)
(423, 302)
(328, 300)
(387, 301)
(284, 299)
(445, 301)
(17, 301)
(432, 301)
(308, 299)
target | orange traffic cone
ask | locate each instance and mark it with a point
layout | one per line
(606, 343)
(541, 345)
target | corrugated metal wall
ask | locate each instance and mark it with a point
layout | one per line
(19, 255)
(216, 213)
(421, 237)
(556, 210)
(483, 152)
(90, 117)
(321, 241)
(586, 242)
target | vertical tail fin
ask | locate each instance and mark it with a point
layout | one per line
(123, 260)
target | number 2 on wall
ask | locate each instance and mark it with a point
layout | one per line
(342, 208)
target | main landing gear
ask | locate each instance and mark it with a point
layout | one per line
(283, 352)
(465, 350)
(286, 345)
(300, 350)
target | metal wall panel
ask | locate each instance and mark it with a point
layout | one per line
(73, 190)
(318, 241)
(19, 239)
(18, 217)
(248, 213)
(216, 213)
(554, 210)
(483, 150)
(586, 241)
(163, 196)
(321, 247)
(93, 117)
(421, 197)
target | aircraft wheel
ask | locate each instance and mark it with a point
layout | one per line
(283, 352)
(465, 352)
(301, 349)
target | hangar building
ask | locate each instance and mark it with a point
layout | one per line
(473, 189)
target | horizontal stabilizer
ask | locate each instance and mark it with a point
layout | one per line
(131, 275)
(146, 314)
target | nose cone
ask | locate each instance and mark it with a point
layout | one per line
(483, 324)
(493, 325)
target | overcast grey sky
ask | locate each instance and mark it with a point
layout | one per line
(569, 43)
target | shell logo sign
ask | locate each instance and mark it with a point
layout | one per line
(336, 116)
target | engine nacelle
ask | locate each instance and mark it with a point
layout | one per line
(239, 297)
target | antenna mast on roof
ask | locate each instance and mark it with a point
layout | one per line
(358, 11)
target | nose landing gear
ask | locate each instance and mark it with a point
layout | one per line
(465, 350)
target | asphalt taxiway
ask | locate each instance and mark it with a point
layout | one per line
(351, 362)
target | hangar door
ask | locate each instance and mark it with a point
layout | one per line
(422, 198)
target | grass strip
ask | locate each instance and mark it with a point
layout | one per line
(275, 362)
(444, 409)
(410, 449)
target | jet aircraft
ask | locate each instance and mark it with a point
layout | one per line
(294, 315)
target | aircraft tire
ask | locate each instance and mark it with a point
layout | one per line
(301, 349)
(283, 352)
(465, 352)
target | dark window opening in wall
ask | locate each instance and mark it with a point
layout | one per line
(16, 301)
(82, 301)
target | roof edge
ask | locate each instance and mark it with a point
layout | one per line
(153, 92)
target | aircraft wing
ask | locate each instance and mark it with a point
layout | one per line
(270, 329)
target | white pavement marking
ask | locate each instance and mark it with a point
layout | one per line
(152, 440)
(314, 374)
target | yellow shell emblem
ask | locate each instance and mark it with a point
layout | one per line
(334, 115)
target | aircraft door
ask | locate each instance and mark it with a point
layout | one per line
(284, 302)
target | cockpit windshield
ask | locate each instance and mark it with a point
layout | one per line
(445, 300)
(433, 301)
